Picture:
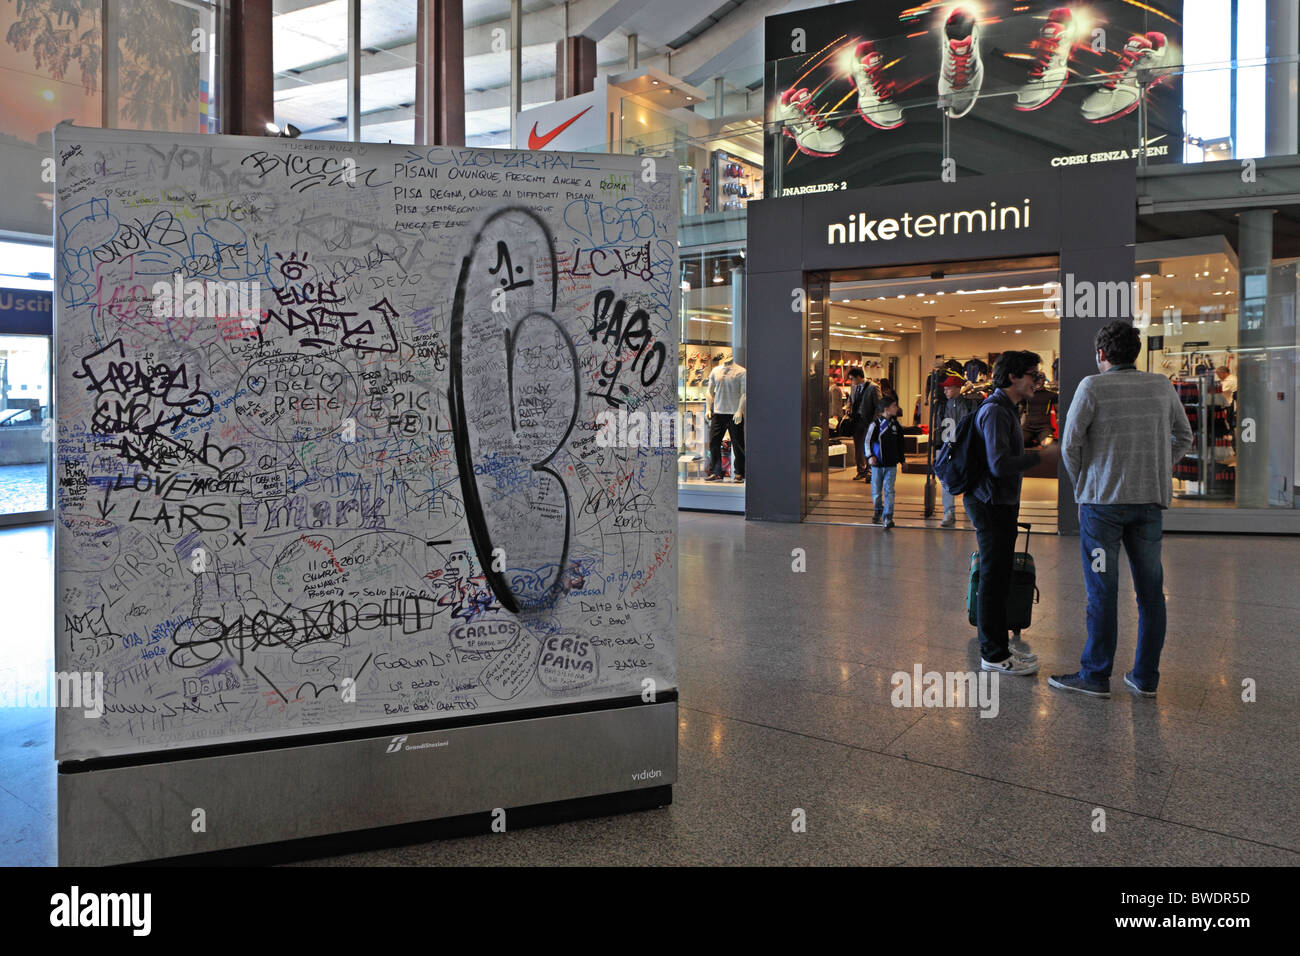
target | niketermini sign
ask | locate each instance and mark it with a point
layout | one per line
(971, 218)
(859, 228)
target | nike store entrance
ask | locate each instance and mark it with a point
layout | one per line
(820, 308)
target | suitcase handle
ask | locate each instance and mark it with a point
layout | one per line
(1027, 527)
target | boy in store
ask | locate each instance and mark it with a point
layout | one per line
(884, 442)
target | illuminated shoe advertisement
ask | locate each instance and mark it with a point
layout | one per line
(879, 91)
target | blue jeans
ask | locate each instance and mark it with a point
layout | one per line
(1101, 529)
(882, 488)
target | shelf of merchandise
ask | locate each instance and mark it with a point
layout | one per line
(1208, 471)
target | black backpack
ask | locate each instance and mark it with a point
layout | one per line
(962, 465)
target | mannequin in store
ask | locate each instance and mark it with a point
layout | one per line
(725, 409)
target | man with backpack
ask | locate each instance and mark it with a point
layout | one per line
(1125, 431)
(864, 408)
(993, 503)
(948, 414)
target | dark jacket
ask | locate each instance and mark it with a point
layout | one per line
(866, 406)
(951, 408)
(890, 436)
(1004, 447)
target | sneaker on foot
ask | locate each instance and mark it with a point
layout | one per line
(875, 518)
(1024, 655)
(712, 477)
(1011, 665)
(1128, 679)
(889, 523)
(1077, 684)
(949, 521)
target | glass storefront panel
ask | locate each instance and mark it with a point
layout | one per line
(1225, 335)
(711, 456)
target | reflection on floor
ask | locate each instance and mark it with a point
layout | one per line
(786, 681)
(849, 502)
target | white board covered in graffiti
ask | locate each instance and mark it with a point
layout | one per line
(333, 442)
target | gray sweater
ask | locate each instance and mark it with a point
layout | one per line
(1123, 432)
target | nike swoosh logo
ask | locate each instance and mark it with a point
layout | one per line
(539, 142)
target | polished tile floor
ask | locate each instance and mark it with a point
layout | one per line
(785, 705)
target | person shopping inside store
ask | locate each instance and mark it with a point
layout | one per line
(948, 413)
(1039, 426)
(864, 408)
(725, 409)
(884, 453)
(993, 506)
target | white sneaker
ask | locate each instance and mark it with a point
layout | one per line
(1012, 665)
(800, 121)
(875, 93)
(1120, 94)
(1048, 75)
(962, 74)
(949, 521)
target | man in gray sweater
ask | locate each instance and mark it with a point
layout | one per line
(1124, 431)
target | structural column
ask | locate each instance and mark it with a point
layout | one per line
(439, 73)
(1263, 389)
(929, 346)
(1282, 44)
(575, 66)
(252, 85)
(738, 314)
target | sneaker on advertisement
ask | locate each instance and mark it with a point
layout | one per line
(962, 74)
(949, 521)
(1119, 95)
(800, 121)
(1012, 665)
(1052, 68)
(1074, 682)
(875, 93)
(1128, 679)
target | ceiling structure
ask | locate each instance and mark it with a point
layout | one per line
(695, 42)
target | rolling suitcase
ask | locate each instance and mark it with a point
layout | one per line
(1023, 594)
